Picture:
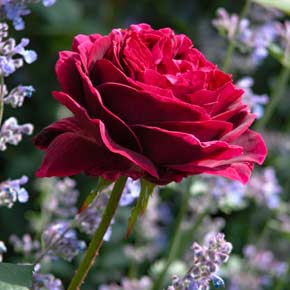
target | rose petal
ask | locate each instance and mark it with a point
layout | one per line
(184, 149)
(135, 107)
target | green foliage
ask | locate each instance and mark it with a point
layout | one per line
(15, 277)
(283, 5)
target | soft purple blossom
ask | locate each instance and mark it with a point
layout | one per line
(3, 250)
(60, 197)
(62, 241)
(205, 265)
(228, 24)
(130, 192)
(17, 96)
(14, 10)
(11, 132)
(249, 37)
(48, 3)
(264, 188)
(144, 283)
(26, 245)
(264, 261)
(255, 102)
(8, 50)
(12, 190)
(89, 219)
(45, 281)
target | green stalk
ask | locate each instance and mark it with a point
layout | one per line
(97, 240)
(276, 96)
(175, 243)
(232, 43)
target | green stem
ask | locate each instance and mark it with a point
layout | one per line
(97, 240)
(229, 55)
(276, 96)
(174, 246)
(1, 97)
(232, 43)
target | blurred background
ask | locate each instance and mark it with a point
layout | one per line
(51, 30)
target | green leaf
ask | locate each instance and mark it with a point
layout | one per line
(283, 5)
(141, 205)
(276, 52)
(15, 277)
(102, 183)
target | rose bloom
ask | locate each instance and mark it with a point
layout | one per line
(146, 104)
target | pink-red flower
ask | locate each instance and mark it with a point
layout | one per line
(146, 103)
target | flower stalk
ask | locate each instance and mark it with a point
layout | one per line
(232, 42)
(276, 96)
(97, 240)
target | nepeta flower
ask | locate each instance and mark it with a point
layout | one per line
(11, 132)
(3, 250)
(48, 3)
(12, 190)
(230, 25)
(45, 281)
(17, 96)
(26, 245)
(8, 50)
(14, 10)
(249, 38)
(130, 192)
(60, 197)
(89, 219)
(144, 283)
(206, 262)
(264, 188)
(255, 102)
(62, 241)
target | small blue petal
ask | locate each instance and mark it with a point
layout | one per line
(48, 3)
(30, 56)
(217, 281)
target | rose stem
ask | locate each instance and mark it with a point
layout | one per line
(232, 45)
(1, 97)
(276, 96)
(175, 242)
(97, 240)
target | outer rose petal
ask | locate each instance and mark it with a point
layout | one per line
(89, 154)
(184, 148)
(48, 134)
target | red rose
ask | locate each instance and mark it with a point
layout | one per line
(147, 104)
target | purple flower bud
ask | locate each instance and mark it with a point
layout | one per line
(48, 3)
